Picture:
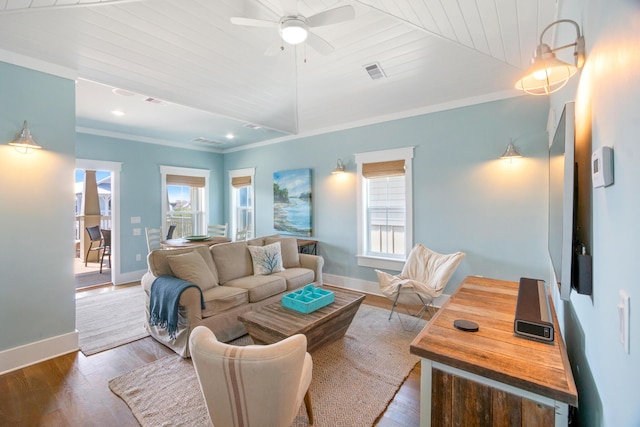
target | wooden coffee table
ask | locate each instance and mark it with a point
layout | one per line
(273, 322)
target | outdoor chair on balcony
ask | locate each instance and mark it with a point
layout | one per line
(172, 228)
(95, 237)
(217, 230)
(106, 239)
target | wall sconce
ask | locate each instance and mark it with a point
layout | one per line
(510, 153)
(548, 74)
(339, 168)
(23, 141)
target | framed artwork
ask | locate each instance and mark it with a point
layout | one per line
(292, 202)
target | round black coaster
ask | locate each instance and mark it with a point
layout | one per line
(466, 325)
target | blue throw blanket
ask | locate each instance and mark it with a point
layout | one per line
(163, 302)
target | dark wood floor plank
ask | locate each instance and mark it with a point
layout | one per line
(72, 390)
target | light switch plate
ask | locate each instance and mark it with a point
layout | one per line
(135, 220)
(623, 317)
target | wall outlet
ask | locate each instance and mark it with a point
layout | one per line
(137, 231)
(135, 220)
(138, 257)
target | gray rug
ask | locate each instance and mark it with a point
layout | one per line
(354, 379)
(110, 319)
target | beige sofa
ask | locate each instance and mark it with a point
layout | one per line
(228, 285)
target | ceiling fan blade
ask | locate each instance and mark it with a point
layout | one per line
(319, 44)
(289, 7)
(250, 22)
(332, 16)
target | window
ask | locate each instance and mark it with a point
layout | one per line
(185, 200)
(241, 195)
(385, 224)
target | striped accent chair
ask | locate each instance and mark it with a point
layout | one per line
(255, 385)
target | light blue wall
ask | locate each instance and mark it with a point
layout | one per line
(140, 183)
(37, 296)
(607, 96)
(465, 198)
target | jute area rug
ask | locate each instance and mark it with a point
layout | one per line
(354, 379)
(110, 319)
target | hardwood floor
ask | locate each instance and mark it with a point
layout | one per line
(72, 390)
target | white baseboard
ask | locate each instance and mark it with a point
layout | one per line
(39, 351)
(367, 286)
(133, 276)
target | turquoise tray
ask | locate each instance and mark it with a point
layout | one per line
(307, 299)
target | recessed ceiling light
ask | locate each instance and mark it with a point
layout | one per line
(229, 135)
(122, 92)
(117, 113)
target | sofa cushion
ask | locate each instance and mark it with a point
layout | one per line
(289, 248)
(296, 277)
(158, 264)
(260, 287)
(222, 298)
(266, 259)
(192, 267)
(232, 261)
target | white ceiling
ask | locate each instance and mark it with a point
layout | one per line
(216, 79)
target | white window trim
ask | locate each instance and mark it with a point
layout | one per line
(406, 154)
(232, 200)
(174, 170)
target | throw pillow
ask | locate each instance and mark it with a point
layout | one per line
(289, 248)
(266, 259)
(191, 267)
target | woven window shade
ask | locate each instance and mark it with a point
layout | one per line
(240, 181)
(383, 169)
(188, 181)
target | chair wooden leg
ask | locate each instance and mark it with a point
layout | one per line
(307, 405)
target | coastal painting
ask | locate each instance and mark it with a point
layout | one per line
(292, 202)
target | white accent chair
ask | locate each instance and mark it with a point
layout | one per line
(153, 238)
(254, 385)
(217, 230)
(423, 278)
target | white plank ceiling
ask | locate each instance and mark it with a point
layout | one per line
(215, 78)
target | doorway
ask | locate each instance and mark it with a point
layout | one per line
(96, 205)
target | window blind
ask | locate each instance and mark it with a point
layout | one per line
(240, 181)
(383, 169)
(188, 181)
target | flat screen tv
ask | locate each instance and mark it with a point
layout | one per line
(562, 200)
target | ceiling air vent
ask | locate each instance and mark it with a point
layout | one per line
(156, 101)
(375, 71)
(252, 126)
(206, 141)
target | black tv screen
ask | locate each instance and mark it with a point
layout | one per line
(562, 199)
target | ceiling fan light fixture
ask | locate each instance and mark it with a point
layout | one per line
(294, 30)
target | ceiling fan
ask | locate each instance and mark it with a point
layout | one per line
(295, 28)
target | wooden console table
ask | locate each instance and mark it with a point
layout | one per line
(490, 377)
(308, 246)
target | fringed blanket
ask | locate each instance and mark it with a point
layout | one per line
(163, 302)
